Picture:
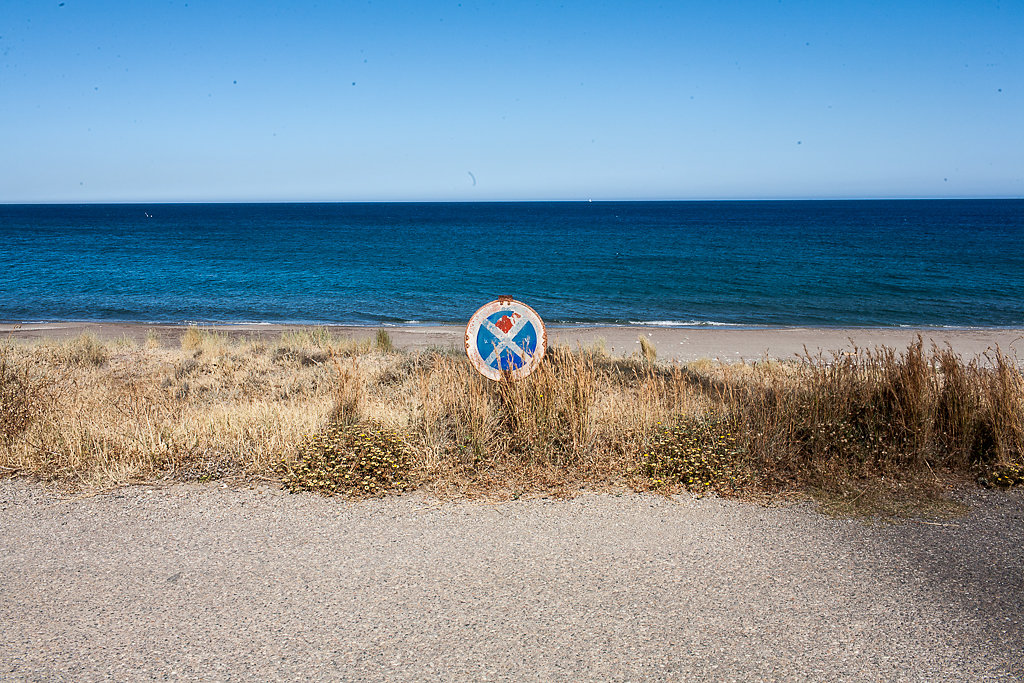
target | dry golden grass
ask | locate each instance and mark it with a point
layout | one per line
(84, 413)
(647, 350)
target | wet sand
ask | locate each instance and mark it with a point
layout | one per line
(678, 344)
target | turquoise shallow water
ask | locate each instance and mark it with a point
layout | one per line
(831, 263)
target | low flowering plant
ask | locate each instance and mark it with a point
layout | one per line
(699, 453)
(358, 460)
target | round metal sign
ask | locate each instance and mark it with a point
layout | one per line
(506, 336)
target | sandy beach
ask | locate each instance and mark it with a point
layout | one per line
(672, 344)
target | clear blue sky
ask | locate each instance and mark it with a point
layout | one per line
(223, 101)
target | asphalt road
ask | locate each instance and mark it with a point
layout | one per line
(198, 582)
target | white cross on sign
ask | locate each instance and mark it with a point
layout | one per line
(505, 337)
(506, 340)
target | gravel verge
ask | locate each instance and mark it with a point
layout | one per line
(199, 582)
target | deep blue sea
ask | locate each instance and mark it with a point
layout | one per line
(830, 263)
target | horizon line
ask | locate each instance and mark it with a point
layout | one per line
(128, 202)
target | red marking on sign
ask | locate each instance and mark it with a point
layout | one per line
(505, 324)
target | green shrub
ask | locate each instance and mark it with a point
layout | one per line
(699, 453)
(358, 460)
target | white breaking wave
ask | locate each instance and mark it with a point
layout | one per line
(683, 323)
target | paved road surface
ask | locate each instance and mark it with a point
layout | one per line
(197, 582)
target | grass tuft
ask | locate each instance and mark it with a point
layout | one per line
(85, 350)
(209, 342)
(877, 416)
(647, 349)
(382, 340)
(23, 398)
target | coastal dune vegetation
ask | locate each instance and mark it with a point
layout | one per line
(314, 411)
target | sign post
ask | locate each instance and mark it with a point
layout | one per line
(506, 337)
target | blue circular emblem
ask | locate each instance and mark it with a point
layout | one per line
(506, 339)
